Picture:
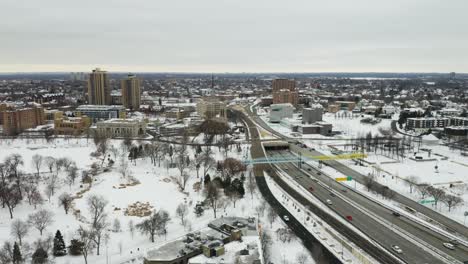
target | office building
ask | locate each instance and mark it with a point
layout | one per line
(131, 93)
(284, 91)
(98, 88)
(71, 125)
(96, 112)
(312, 115)
(209, 108)
(17, 120)
(280, 111)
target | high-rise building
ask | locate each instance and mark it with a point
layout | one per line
(99, 88)
(282, 84)
(284, 91)
(131, 93)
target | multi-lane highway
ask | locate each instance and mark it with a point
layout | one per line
(373, 219)
(418, 243)
(449, 224)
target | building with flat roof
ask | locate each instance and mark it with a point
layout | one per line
(98, 112)
(117, 128)
(131, 92)
(209, 241)
(280, 111)
(71, 125)
(284, 91)
(209, 108)
(426, 122)
(312, 114)
(99, 89)
(15, 121)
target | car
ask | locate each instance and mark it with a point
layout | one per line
(311, 188)
(397, 214)
(308, 169)
(449, 246)
(319, 173)
(329, 202)
(344, 190)
(286, 218)
(349, 217)
(332, 194)
(314, 180)
(454, 242)
(397, 249)
(286, 169)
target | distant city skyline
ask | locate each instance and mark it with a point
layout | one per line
(229, 36)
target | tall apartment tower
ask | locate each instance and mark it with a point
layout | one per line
(99, 88)
(284, 91)
(131, 93)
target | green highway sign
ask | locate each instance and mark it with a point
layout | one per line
(427, 201)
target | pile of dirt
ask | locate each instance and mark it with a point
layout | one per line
(139, 209)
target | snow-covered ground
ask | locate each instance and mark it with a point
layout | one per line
(156, 186)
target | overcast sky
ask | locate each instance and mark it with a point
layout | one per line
(234, 35)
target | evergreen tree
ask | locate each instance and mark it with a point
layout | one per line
(59, 245)
(40, 256)
(17, 258)
(76, 247)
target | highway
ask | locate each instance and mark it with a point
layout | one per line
(449, 224)
(308, 239)
(352, 203)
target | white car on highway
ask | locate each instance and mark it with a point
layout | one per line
(449, 246)
(329, 202)
(286, 218)
(397, 249)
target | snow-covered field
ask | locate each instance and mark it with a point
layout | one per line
(156, 187)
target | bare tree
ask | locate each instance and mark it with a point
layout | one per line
(412, 181)
(272, 215)
(451, 201)
(124, 169)
(37, 161)
(212, 196)
(369, 181)
(36, 198)
(302, 258)
(99, 231)
(116, 225)
(6, 253)
(155, 224)
(72, 174)
(265, 242)
(207, 160)
(86, 238)
(251, 184)
(10, 197)
(65, 200)
(182, 212)
(131, 228)
(19, 229)
(50, 162)
(96, 207)
(423, 189)
(41, 219)
(436, 193)
(182, 180)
